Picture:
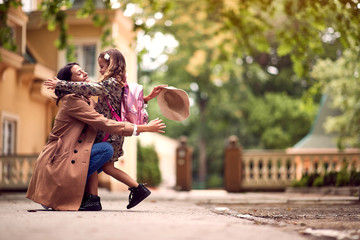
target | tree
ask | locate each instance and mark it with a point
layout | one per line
(6, 39)
(148, 170)
(249, 41)
(340, 79)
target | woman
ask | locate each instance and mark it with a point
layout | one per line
(111, 92)
(62, 168)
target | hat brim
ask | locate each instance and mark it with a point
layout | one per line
(174, 103)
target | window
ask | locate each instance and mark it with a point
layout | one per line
(29, 5)
(8, 134)
(86, 53)
(86, 57)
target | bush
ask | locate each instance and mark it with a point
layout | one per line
(148, 170)
(301, 183)
(354, 178)
(318, 182)
(342, 178)
(215, 181)
(330, 179)
(338, 179)
(306, 180)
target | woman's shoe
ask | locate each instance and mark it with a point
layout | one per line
(90, 203)
(137, 194)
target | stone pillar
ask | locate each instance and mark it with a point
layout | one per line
(233, 165)
(183, 166)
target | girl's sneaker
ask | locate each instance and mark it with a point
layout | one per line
(137, 194)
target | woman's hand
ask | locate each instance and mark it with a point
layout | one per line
(51, 83)
(155, 125)
(154, 93)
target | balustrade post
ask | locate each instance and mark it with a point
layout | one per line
(233, 165)
(183, 165)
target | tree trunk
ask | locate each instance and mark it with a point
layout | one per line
(202, 143)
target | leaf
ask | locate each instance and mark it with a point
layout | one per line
(284, 48)
(51, 25)
(298, 66)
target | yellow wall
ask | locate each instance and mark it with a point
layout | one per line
(41, 44)
(15, 99)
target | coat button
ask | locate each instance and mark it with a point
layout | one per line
(72, 161)
(79, 141)
(75, 151)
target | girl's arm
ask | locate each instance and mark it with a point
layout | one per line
(79, 109)
(81, 88)
(154, 93)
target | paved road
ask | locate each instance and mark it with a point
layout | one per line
(165, 215)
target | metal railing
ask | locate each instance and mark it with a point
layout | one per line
(16, 171)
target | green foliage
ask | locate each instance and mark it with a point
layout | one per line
(303, 182)
(308, 180)
(279, 120)
(354, 178)
(7, 39)
(330, 179)
(338, 179)
(87, 9)
(148, 170)
(342, 178)
(54, 14)
(215, 181)
(318, 182)
(340, 79)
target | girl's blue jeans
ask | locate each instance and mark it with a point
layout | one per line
(101, 153)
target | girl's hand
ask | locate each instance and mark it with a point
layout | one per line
(156, 125)
(154, 93)
(51, 83)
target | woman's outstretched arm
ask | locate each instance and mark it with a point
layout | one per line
(82, 88)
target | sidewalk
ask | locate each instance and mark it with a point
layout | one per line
(166, 214)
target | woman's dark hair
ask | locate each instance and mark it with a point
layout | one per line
(64, 74)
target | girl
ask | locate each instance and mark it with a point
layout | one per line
(110, 87)
(70, 155)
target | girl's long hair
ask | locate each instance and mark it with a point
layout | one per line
(117, 66)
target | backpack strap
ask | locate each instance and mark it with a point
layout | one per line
(113, 114)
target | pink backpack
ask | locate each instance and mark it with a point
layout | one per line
(132, 106)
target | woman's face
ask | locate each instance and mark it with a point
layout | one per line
(103, 65)
(78, 74)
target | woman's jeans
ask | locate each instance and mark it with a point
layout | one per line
(101, 153)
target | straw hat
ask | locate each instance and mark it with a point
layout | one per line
(174, 103)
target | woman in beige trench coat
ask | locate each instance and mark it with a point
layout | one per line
(61, 170)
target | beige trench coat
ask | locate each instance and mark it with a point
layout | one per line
(60, 172)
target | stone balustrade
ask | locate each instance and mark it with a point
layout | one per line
(16, 171)
(261, 169)
(268, 169)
